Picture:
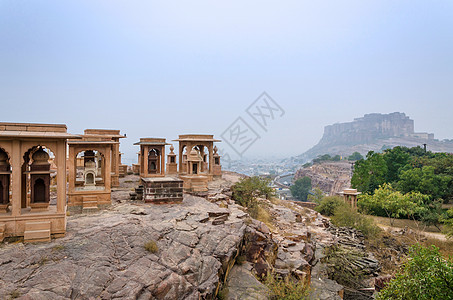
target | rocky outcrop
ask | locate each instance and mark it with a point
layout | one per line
(372, 132)
(243, 285)
(330, 177)
(103, 255)
(191, 250)
(368, 128)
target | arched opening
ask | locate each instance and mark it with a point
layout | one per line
(89, 178)
(154, 161)
(5, 178)
(39, 177)
(89, 161)
(39, 191)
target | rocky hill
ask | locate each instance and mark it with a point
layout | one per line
(331, 177)
(373, 132)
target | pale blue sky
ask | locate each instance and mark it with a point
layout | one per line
(172, 67)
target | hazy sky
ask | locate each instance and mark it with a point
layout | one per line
(159, 69)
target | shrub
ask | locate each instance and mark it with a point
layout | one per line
(286, 289)
(223, 293)
(328, 205)
(344, 216)
(151, 246)
(248, 189)
(425, 275)
(241, 259)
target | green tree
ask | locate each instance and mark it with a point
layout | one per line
(425, 181)
(369, 173)
(447, 219)
(355, 156)
(393, 203)
(248, 189)
(300, 188)
(329, 204)
(395, 159)
(425, 275)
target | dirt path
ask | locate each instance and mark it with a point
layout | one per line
(433, 235)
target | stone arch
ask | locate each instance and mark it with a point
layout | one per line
(26, 158)
(5, 178)
(7, 154)
(78, 173)
(89, 178)
(154, 161)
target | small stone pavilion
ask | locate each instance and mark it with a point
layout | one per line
(90, 170)
(350, 197)
(158, 188)
(198, 161)
(33, 180)
(114, 136)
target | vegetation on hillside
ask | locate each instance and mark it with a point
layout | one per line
(425, 275)
(246, 193)
(301, 188)
(406, 183)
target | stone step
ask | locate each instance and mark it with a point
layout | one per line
(37, 232)
(33, 236)
(90, 202)
(42, 225)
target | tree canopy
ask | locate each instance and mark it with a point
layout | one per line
(408, 170)
(301, 188)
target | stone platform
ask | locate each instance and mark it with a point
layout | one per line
(162, 189)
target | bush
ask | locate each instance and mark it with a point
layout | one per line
(425, 275)
(328, 205)
(151, 246)
(344, 216)
(286, 289)
(248, 189)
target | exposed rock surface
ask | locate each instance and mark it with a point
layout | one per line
(103, 255)
(243, 285)
(330, 177)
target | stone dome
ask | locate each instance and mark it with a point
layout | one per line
(40, 157)
(194, 155)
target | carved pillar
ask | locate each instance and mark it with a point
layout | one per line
(16, 158)
(61, 176)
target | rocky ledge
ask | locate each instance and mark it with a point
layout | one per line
(103, 255)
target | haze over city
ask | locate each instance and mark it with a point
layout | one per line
(160, 69)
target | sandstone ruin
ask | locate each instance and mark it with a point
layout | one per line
(30, 206)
